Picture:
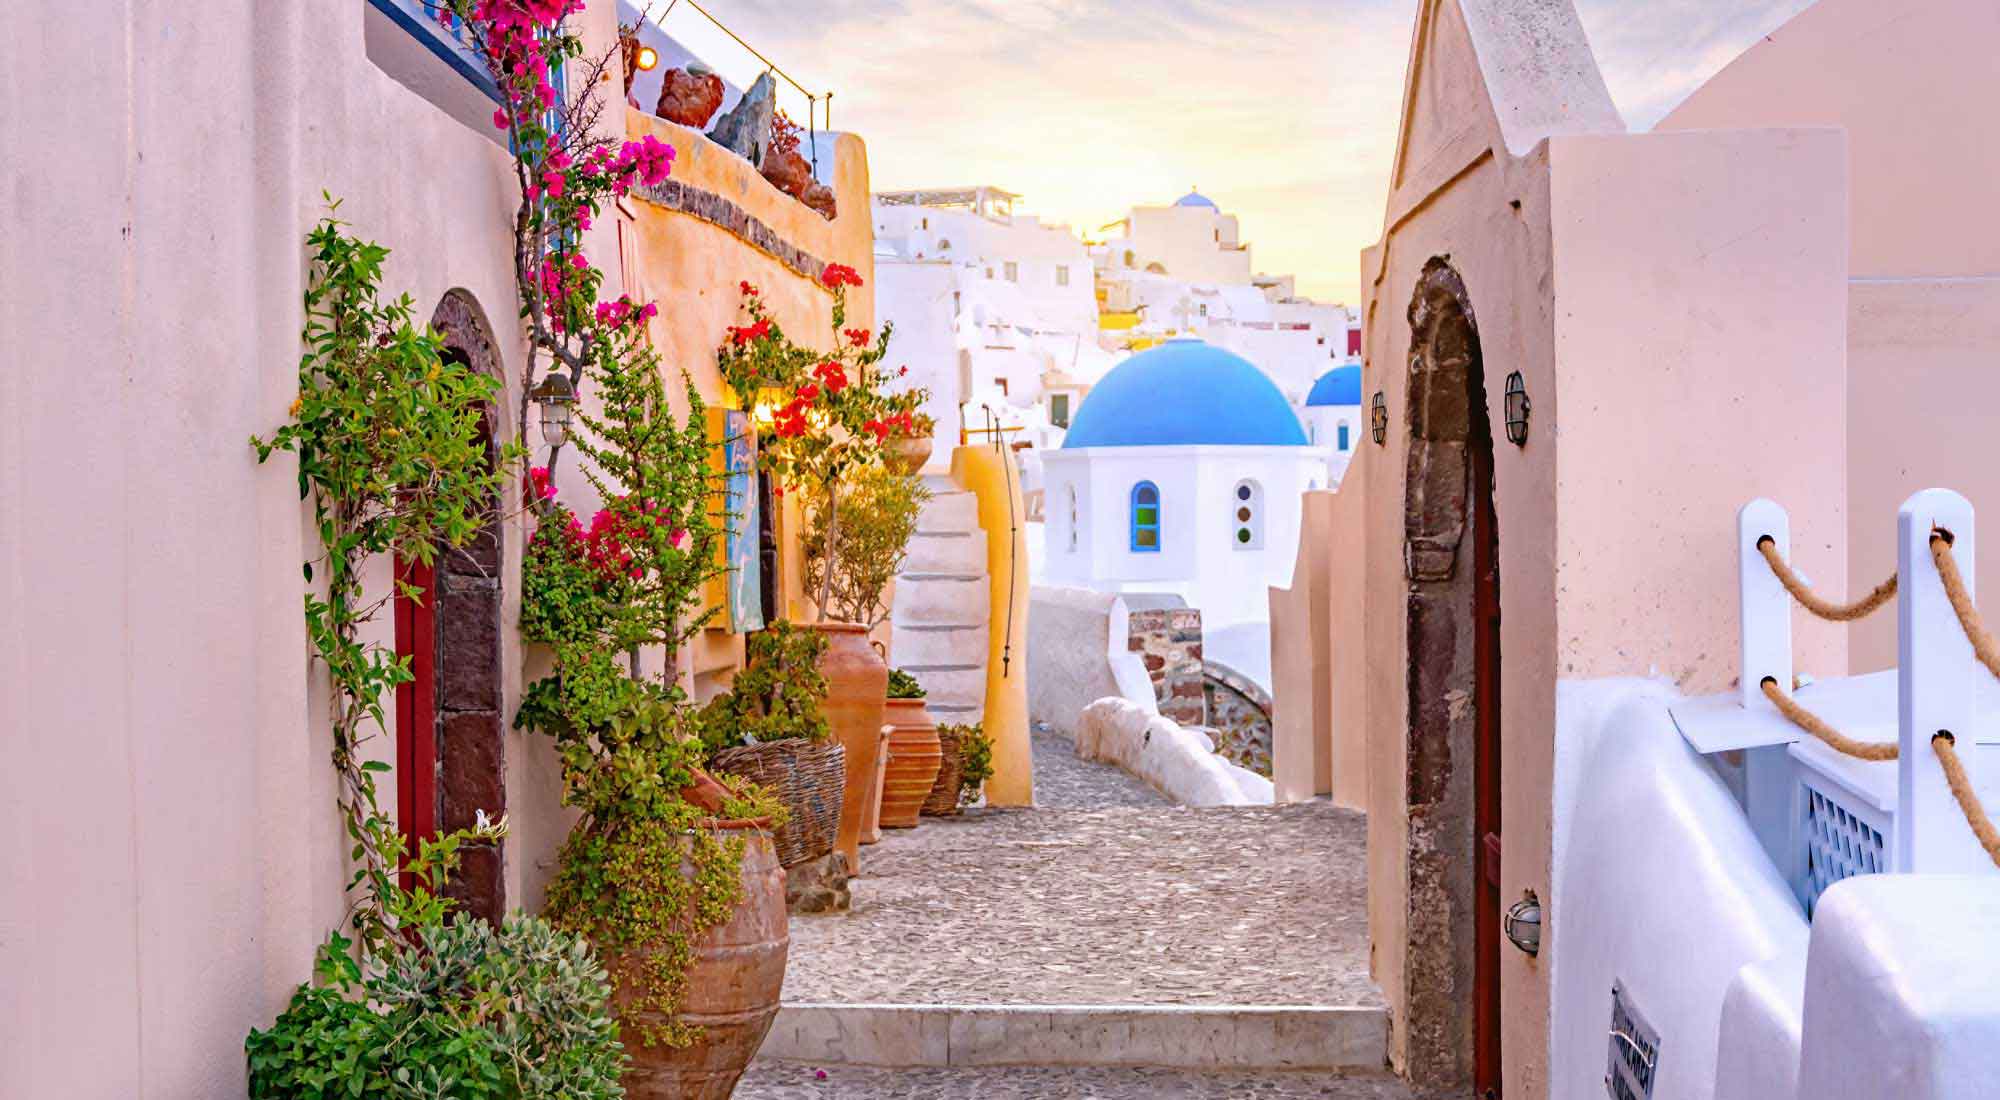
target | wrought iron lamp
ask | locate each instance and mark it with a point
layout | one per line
(557, 397)
(1523, 924)
(1517, 407)
(1378, 418)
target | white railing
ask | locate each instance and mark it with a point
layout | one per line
(1825, 816)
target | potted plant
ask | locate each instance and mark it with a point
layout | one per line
(828, 421)
(975, 759)
(770, 728)
(914, 753)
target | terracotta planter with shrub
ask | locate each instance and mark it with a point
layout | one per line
(856, 680)
(915, 757)
(908, 455)
(733, 984)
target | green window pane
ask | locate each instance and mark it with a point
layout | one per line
(1147, 517)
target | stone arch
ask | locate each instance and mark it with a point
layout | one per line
(1450, 557)
(456, 755)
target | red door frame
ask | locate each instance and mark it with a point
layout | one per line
(416, 707)
(1486, 768)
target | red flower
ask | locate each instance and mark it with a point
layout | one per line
(808, 392)
(748, 290)
(832, 374)
(857, 336)
(742, 336)
(839, 275)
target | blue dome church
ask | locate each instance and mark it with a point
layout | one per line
(1333, 416)
(1181, 473)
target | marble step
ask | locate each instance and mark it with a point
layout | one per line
(951, 686)
(956, 512)
(1195, 1037)
(941, 601)
(959, 645)
(946, 553)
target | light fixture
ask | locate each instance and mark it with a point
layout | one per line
(557, 397)
(647, 59)
(1517, 410)
(1378, 418)
(1523, 924)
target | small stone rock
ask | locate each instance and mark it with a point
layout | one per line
(746, 129)
(690, 96)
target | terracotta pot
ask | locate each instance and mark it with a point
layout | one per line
(733, 987)
(871, 826)
(908, 455)
(856, 679)
(914, 758)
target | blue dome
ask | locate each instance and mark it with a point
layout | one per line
(1185, 393)
(1195, 198)
(1339, 386)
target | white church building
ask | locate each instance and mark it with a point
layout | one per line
(1181, 473)
(1333, 417)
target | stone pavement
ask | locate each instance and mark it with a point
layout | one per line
(791, 1081)
(1103, 894)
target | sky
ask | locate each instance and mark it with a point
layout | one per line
(1282, 111)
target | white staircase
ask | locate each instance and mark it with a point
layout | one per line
(942, 604)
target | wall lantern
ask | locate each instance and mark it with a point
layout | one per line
(1523, 924)
(1517, 410)
(557, 397)
(647, 59)
(1378, 418)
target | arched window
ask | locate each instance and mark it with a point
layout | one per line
(1145, 518)
(1247, 513)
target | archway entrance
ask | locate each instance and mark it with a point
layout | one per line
(450, 737)
(1451, 561)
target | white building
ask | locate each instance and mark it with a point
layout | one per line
(995, 312)
(1333, 417)
(1192, 240)
(1181, 473)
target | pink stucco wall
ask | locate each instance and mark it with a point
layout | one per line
(1911, 83)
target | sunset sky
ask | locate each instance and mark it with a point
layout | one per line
(1283, 111)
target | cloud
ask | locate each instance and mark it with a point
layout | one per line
(1284, 111)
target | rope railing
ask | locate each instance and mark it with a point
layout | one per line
(1812, 601)
(1943, 743)
(1815, 725)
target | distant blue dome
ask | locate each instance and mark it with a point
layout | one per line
(1195, 198)
(1185, 393)
(1339, 386)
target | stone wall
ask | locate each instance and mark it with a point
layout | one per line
(1239, 717)
(1168, 640)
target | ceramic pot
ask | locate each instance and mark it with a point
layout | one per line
(908, 455)
(856, 680)
(914, 758)
(734, 982)
(871, 825)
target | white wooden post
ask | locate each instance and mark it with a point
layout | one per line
(1766, 608)
(1938, 688)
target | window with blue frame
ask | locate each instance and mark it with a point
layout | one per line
(1145, 518)
(433, 58)
(1343, 435)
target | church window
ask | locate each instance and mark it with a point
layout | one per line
(1059, 409)
(1247, 510)
(1145, 518)
(1069, 492)
(1343, 435)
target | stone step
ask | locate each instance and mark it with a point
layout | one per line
(960, 553)
(960, 645)
(1194, 1037)
(941, 602)
(956, 511)
(771, 1079)
(962, 686)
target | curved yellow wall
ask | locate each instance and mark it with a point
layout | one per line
(990, 475)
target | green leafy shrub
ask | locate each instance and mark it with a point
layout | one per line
(976, 760)
(902, 685)
(780, 693)
(467, 1012)
(878, 511)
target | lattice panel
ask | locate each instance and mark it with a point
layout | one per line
(1635, 1050)
(1840, 842)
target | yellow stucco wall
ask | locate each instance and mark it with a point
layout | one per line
(989, 474)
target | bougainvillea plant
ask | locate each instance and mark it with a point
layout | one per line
(830, 411)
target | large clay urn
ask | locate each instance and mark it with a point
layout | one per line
(734, 982)
(871, 822)
(914, 759)
(856, 680)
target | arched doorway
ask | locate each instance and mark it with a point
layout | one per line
(1451, 563)
(450, 737)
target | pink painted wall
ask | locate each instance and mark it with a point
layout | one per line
(1911, 82)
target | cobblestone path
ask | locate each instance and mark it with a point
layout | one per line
(1103, 894)
(786, 1081)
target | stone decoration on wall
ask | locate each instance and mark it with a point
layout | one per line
(725, 215)
(1239, 717)
(746, 129)
(1169, 641)
(690, 97)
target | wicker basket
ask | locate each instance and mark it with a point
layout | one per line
(943, 801)
(808, 778)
